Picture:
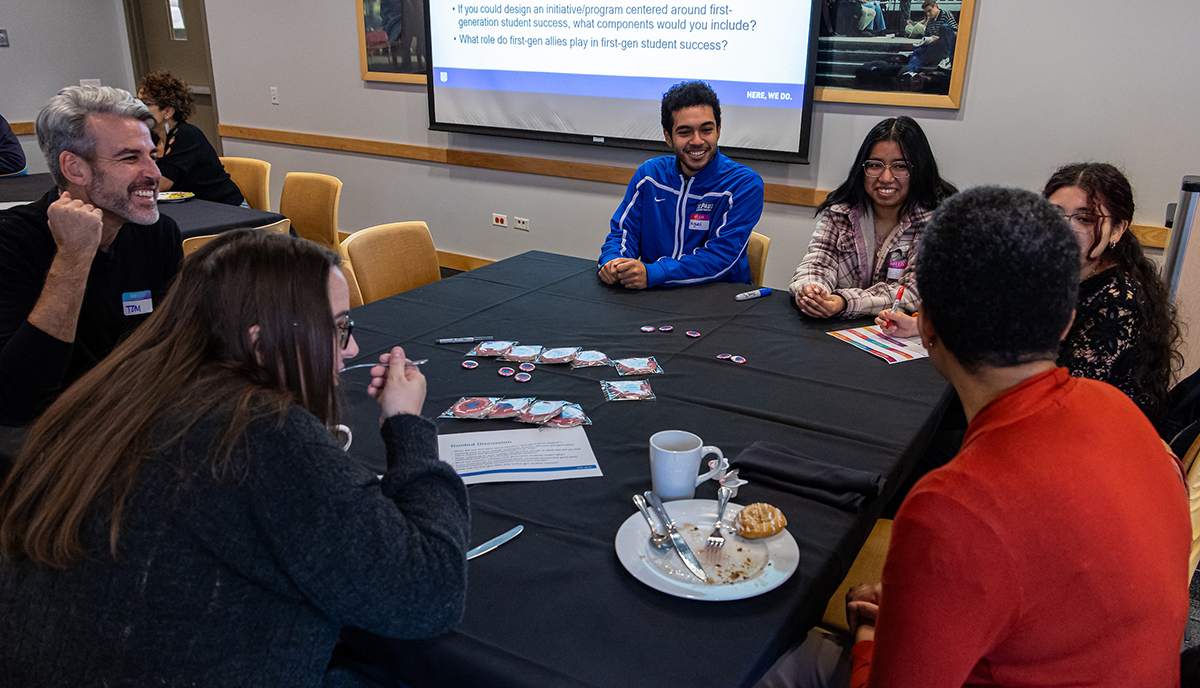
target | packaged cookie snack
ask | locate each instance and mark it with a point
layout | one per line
(571, 416)
(495, 348)
(510, 408)
(587, 359)
(626, 390)
(471, 407)
(637, 366)
(541, 411)
(522, 354)
(563, 354)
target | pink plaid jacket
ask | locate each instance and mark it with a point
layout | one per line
(837, 260)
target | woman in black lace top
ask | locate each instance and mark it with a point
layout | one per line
(1125, 332)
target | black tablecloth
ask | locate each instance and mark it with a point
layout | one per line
(194, 216)
(555, 607)
(27, 187)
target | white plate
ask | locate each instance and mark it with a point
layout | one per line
(174, 196)
(665, 572)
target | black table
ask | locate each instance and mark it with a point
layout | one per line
(555, 607)
(194, 216)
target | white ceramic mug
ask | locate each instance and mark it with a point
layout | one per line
(674, 462)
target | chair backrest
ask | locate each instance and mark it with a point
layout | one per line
(310, 201)
(867, 568)
(190, 245)
(282, 227)
(1192, 466)
(756, 251)
(253, 179)
(388, 259)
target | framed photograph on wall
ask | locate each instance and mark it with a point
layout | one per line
(893, 52)
(391, 40)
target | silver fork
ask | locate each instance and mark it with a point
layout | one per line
(716, 540)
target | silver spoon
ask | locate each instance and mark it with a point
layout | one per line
(410, 364)
(656, 540)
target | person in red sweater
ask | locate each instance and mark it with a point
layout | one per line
(1053, 549)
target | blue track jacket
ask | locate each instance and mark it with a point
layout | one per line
(687, 231)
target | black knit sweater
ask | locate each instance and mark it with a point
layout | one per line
(246, 580)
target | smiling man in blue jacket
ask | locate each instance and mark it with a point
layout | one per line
(686, 218)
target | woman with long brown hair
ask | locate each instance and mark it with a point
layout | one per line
(182, 514)
(1125, 332)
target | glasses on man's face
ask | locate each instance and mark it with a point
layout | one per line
(1084, 220)
(345, 329)
(875, 168)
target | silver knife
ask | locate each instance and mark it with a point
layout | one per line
(494, 542)
(685, 552)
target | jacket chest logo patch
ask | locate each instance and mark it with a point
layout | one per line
(706, 207)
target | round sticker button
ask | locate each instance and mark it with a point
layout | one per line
(724, 356)
(470, 365)
(506, 372)
(738, 359)
(523, 377)
(665, 328)
(693, 333)
(648, 328)
(527, 367)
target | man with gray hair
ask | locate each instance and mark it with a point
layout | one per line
(84, 265)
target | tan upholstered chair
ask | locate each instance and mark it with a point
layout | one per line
(756, 251)
(253, 179)
(867, 568)
(190, 245)
(388, 259)
(310, 201)
(1192, 466)
(281, 227)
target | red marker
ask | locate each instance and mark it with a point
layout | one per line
(896, 303)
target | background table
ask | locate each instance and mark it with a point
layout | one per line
(194, 216)
(554, 607)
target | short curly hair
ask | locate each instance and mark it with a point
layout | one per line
(688, 94)
(998, 271)
(167, 91)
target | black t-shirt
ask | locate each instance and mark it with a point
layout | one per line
(34, 366)
(192, 164)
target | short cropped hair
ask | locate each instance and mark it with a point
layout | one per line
(62, 123)
(998, 272)
(688, 94)
(929, 3)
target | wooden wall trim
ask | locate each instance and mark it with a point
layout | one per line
(21, 128)
(774, 193)
(457, 261)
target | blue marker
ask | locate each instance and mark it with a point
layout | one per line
(746, 296)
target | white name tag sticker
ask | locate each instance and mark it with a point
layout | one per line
(136, 303)
(699, 221)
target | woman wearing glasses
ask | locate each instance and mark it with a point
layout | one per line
(182, 514)
(1125, 332)
(863, 249)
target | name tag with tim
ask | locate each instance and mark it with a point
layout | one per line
(699, 221)
(136, 303)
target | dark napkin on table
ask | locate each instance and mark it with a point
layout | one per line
(784, 469)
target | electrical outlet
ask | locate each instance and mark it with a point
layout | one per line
(521, 223)
(499, 220)
(274, 95)
(3, 38)
(89, 82)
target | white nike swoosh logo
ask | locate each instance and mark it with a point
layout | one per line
(659, 200)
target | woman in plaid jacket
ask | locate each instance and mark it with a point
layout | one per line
(863, 249)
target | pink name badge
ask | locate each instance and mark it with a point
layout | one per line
(699, 221)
